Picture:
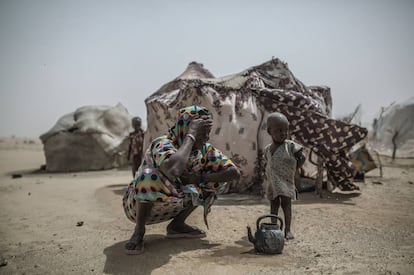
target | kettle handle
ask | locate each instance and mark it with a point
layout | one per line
(269, 216)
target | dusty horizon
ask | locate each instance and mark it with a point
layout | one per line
(59, 56)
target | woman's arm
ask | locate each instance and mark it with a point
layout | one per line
(231, 173)
(174, 166)
(227, 174)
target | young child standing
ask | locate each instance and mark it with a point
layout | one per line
(136, 140)
(283, 157)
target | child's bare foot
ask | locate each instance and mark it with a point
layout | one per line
(289, 236)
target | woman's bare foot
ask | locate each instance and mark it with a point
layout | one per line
(179, 227)
(288, 235)
(135, 245)
(182, 230)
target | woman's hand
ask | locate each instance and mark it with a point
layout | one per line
(199, 127)
(175, 165)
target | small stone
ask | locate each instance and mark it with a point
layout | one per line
(3, 262)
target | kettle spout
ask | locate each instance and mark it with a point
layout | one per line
(249, 234)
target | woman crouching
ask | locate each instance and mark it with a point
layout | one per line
(180, 171)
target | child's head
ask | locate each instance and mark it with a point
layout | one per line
(277, 127)
(136, 123)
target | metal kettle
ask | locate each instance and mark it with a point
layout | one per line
(269, 237)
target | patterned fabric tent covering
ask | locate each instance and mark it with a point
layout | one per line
(240, 104)
(359, 154)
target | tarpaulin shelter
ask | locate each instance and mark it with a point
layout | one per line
(90, 138)
(240, 104)
(393, 128)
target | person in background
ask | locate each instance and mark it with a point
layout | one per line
(180, 171)
(136, 140)
(283, 157)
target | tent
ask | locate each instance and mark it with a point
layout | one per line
(240, 104)
(393, 128)
(90, 138)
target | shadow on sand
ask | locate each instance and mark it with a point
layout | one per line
(304, 198)
(117, 189)
(327, 198)
(158, 252)
(247, 199)
(222, 199)
(240, 199)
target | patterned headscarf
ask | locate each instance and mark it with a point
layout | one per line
(182, 122)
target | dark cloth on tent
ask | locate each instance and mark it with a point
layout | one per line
(329, 138)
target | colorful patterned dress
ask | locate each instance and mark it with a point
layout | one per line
(170, 198)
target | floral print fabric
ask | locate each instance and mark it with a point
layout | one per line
(170, 197)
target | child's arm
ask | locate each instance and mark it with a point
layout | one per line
(129, 148)
(297, 150)
(264, 163)
(300, 158)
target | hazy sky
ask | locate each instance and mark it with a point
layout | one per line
(56, 56)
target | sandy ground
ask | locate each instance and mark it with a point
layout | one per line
(369, 233)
